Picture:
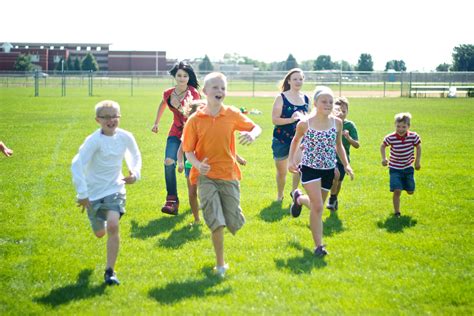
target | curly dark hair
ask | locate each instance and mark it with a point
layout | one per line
(190, 71)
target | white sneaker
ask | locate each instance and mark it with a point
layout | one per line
(220, 271)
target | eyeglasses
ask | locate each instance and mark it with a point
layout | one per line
(108, 117)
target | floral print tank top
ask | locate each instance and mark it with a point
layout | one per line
(319, 147)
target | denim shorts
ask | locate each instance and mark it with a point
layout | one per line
(98, 212)
(402, 179)
(172, 145)
(280, 150)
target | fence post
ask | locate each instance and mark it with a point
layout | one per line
(131, 85)
(384, 86)
(253, 84)
(90, 83)
(63, 84)
(36, 83)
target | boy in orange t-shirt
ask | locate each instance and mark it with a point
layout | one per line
(209, 144)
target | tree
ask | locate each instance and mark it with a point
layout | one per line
(443, 67)
(397, 65)
(290, 63)
(77, 64)
(307, 65)
(59, 66)
(89, 63)
(206, 65)
(323, 62)
(365, 63)
(69, 64)
(23, 63)
(463, 58)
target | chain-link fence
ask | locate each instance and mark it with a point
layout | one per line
(258, 83)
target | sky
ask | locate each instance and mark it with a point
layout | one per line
(421, 33)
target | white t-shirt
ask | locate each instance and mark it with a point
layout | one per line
(97, 168)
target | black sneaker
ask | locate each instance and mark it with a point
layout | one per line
(320, 251)
(295, 208)
(397, 214)
(336, 205)
(110, 277)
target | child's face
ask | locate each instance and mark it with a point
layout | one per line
(108, 119)
(342, 111)
(182, 77)
(296, 80)
(215, 90)
(401, 128)
(324, 104)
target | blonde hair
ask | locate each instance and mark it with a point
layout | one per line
(214, 75)
(284, 85)
(404, 117)
(322, 90)
(106, 104)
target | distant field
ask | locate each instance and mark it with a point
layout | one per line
(420, 263)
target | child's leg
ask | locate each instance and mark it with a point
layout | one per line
(113, 238)
(314, 201)
(282, 169)
(193, 200)
(396, 201)
(218, 243)
(296, 181)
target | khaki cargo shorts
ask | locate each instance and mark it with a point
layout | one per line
(220, 202)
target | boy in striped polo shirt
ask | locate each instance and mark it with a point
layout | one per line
(402, 143)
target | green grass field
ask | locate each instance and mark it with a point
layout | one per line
(421, 263)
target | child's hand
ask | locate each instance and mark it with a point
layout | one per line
(130, 179)
(349, 171)
(241, 160)
(297, 116)
(293, 168)
(84, 203)
(345, 133)
(384, 162)
(5, 150)
(246, 138)
(180, 166)
(154, 129)
(204, 167)
(417, 166)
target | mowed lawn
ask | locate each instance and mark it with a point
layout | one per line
(420, 263)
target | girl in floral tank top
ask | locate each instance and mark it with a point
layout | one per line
(321, 134)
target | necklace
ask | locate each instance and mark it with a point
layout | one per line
(181, 93)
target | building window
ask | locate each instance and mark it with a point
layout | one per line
(27, 46)
(88, 48)
(41, 47)
(61, 48)
(51, 47)
(35, 58)
(98, 48)
(78, 48)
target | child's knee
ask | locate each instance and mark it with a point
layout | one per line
(100, 233)
(169, 161)
(112, 227)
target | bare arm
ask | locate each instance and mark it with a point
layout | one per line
(202, 166)
(384, 157)
(418, 157)
(276, 113)
(159, 113)
(293, 162)
(354, 143)
(180, 158)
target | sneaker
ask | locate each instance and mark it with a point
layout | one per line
(320, 251)
(295, 208)
(171, 206)
(110, 277)
(220, 271)
(397, 214)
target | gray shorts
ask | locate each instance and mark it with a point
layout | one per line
(98, 212)
(220, 201)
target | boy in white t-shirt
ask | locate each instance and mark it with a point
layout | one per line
(98, 179)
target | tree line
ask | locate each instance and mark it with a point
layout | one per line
(463, 60)
(88, 63)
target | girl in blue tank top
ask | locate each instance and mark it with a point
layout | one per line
(289, 107)
(321, 133)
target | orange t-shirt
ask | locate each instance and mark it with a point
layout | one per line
(213, 138)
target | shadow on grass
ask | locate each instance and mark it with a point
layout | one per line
(73, 292)
(156, 226)
(301, 264)
(174, 292)
(179, 237)
(396, 224)
(332, 225)
(274, 212)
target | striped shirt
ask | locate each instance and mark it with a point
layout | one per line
(402, 152)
